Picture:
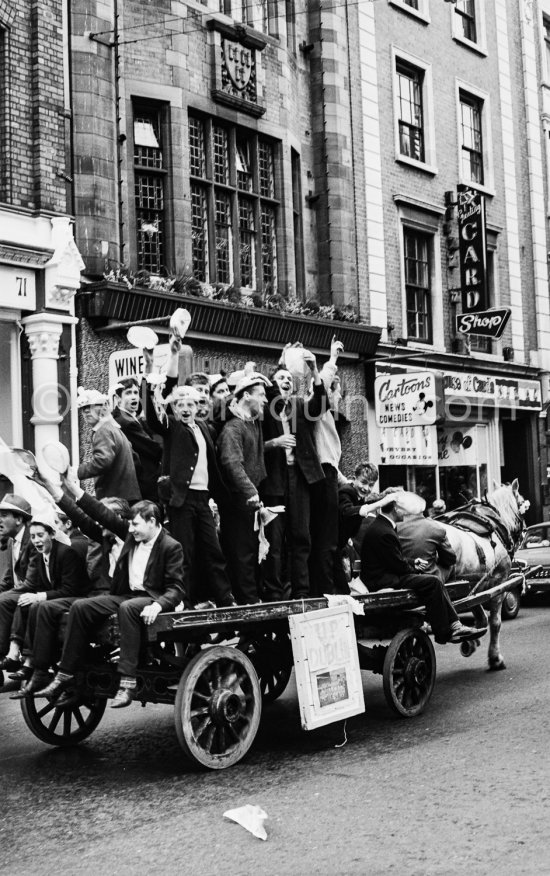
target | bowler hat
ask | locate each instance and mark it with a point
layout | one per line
(17, 504)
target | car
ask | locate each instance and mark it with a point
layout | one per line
(534, 550)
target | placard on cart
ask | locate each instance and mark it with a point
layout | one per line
(328, 676)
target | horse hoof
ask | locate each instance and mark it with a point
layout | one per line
(496, 667)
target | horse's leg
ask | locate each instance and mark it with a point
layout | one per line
(495, 622)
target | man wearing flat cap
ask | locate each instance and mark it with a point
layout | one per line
(194, 478)
(15, 514)
(112, 463)
(241, 452)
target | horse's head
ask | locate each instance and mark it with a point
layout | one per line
(511, 506)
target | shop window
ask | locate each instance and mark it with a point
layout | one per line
(471, 142)
(234, 209)
(417, 249)
(410, 113)
(298, 223)
(149, 189)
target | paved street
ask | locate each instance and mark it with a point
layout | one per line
(461, 789)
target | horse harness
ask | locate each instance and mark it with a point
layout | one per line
(482, 519)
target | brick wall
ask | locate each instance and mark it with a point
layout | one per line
(32, 150)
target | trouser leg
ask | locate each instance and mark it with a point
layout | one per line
(19, 623)
(85, 614)
(240, 547)
(299, 540)
(131, 630)
(324, 532)
(274, 587)
(182, 528)
(439, 608)
(43, 630)
(212, 559)
(8, 605)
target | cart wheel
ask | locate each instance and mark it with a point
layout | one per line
(218, 707)
(409, 672)
(63, 726)
(271, 656)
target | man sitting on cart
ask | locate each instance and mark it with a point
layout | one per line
(383, 565)
(147, 579)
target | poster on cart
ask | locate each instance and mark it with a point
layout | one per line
(328, 676)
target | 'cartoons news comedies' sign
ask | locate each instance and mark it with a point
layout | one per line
(472, 249)
(408, 399)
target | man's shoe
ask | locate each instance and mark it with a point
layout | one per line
(29, 688)
(464, 634)
(56, 687)
(122, 698)
(8, 664)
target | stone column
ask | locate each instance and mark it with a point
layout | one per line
(49, 399)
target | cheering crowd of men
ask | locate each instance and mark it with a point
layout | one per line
(190, 479)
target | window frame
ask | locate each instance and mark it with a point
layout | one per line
(545, 45)
(145, 105)
(480, 43)
(483, 98)
(425, 239)
(428, 164)
(421, 14)
(247, 206)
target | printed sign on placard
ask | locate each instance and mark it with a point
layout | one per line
(328, 676)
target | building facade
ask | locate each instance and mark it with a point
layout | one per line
(228, 156)
(39, 261)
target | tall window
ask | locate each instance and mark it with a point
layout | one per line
(259, 14)
(234, 209)
(471, 138)
(298, 222)
(546, 34)
(466, 12)
(149, 184)
(411, 124)
(417, 252)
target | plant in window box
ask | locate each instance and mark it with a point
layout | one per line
(276, 302)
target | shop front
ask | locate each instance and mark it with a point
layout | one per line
(472, 431)
(39, 274)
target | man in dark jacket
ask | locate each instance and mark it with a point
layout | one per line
(383, 565)
(147, 579)
(194, 478)
(112, 464)
(58, 572)
(241, 453)
(20, 573)
(145, 447)
(426, 538)
(293, 466)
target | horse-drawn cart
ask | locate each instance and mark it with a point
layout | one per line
(217, 667)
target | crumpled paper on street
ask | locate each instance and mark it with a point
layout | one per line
(263, 517)
(250, 817)
(335, 599)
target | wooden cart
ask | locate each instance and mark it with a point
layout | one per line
(218, 667)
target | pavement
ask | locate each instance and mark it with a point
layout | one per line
(461, 789)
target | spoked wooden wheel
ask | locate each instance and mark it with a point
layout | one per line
(271, 655)
(63, 726)
(409, 672)
(218, 707)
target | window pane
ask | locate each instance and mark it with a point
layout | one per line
(244, 165)
(147, 148)
(246, 243)
(199, 232)
(197, 154)
(221, 155)
(466, 11)
(224, 272)
(266, 163)
(149, 216)
(472, 144)
(411, 136)
(269, 250)
(417, 285)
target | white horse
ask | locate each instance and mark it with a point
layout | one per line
(485, 560)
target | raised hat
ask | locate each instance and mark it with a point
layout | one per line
(46, 517)
(17, 504)
(184, 393)
(408, 503)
